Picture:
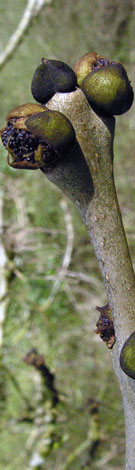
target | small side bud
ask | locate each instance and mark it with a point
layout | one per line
(105, 327)
(50, 77)
(127, 356)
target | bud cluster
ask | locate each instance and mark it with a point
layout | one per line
(37, 137)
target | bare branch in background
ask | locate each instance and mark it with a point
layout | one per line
(32, 9)
(66, 258)
(3, 274)
(77, 275)
(43, 431)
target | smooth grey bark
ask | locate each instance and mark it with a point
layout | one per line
(86, 177)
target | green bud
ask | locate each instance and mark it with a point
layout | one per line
(53, 128)
(108, 90)
(127, 356)
(23, 148)
(50, 77)
(36, 137)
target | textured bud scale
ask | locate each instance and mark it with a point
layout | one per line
(23, 146)
(105, 84)
(36, 140)
(88, 63)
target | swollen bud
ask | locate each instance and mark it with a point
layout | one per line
(127, 356)
(50, 77)
(108, 90)
(54, 128)
(22, 146)
(36, 137)
(105, 84)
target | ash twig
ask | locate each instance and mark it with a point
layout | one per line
(32, 9)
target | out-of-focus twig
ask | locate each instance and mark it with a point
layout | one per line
(107, 457)
(42, 436)
(90, 444)
(67, 255)
(77, 275)
(3, 273)
(17, 387)
(32, 9)
(33, 358)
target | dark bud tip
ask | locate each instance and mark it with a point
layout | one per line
(105, 327)
(108, 89)
(127, 356)
(50, 77)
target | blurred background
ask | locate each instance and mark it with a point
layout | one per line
(60, 405)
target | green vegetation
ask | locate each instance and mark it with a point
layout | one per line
(88, 429)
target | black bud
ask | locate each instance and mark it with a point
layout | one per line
(50, 77)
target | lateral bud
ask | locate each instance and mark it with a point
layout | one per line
(36, 137)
